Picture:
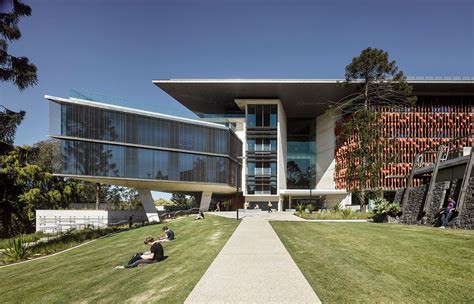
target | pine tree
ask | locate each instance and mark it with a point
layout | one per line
(380, 85)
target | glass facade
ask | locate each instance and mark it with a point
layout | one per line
(261, 149)
(301, 151)
(158, 160)
(103, 124)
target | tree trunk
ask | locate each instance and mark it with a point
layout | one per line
(362, 201)
(97, 196)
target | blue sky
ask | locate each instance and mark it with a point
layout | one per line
(116, 48)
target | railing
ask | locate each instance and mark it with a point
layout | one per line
(440, 78)
(263, 148)
(262, 192)
(263, 171)
(454, 148)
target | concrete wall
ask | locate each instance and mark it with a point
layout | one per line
(325, 147)
(53, 221)
(282, 148)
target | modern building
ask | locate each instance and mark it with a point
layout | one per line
(256, 140)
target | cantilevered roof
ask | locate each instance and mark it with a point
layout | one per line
(299, 97)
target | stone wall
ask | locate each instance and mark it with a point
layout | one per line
(399, 196)
(439, 199)
(412, 211)
(466, 218)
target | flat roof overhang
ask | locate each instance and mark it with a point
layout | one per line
(155, 185)
(299, 97)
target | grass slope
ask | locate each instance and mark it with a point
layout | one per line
(87, 274)
(382, 263)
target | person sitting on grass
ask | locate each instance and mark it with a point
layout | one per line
(200, 215)
(168, 235)
(155, 254)
(447, 212)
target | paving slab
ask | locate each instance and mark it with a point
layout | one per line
(253, 267)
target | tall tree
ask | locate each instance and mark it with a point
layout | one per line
(9, 121)
(18, 70)
(379, 86)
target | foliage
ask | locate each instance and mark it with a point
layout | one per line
(9, 121)
(310, 208)
(383, 207)
(346, 213)
(336, 208)
(17, 249)
(340, 215)
(300, 208)
(181, 202)
(29, 238)
(163, 202)
(18, 70)
(379, 85)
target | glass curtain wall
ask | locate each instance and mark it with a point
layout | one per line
(301, 151)
(157, 161)
(103, 124)
(107, 160)
(262, 149)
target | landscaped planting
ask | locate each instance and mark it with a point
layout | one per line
(87, 274)
(382, 263)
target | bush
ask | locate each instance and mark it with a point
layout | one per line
(346, 213)
(383, 207)
(310, 208)
(17, 249)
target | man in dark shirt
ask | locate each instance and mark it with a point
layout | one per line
(154, 255)
(168, 234)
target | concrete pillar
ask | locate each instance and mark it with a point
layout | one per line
(148, 205)
(348, 200)
(205, 201)
(289, 202)
(280, 204)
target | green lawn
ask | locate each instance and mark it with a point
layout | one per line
(87, 275)
(382, 263)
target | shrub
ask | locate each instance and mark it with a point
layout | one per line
(336, 208)
(310, 208)
(346, 213)
(383, 207)
(18, 249)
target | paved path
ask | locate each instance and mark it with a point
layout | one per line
(253, 267)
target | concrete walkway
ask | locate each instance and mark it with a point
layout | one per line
(253, 267)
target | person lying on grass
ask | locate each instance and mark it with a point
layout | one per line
(168, 235)
(154, 255)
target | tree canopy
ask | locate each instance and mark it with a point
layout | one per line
(379, 86)
(18, 70)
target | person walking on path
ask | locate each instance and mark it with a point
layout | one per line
(218, 206)
(270, 207)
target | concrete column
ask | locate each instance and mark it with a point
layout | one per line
(280, 204)
(148, 205)
(205, 201)
(348, 199)
(289, 202)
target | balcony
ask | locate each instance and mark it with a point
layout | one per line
(263, 171)
(263, 148)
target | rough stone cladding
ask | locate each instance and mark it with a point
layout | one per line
(411, 131)
(413, 210)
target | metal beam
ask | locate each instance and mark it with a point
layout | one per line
(416, 160)
(429, 194)
(465, 183)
